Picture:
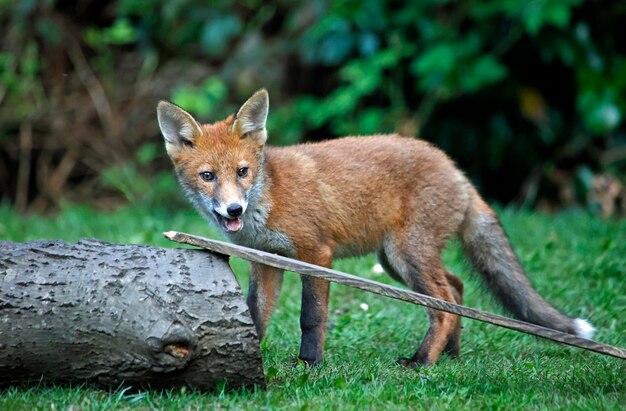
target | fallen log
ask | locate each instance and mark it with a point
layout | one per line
(123, 315)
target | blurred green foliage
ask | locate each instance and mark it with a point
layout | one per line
(511, 89)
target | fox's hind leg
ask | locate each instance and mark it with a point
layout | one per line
(453, 345)
(453, 348)
(419, 266)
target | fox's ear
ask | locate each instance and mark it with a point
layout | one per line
(250, 119)
(177, 126)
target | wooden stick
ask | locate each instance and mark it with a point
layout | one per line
(275, 260)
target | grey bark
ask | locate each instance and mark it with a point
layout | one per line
(123, 315)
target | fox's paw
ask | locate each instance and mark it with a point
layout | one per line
(307, 362)
(411, 363)
(453, 349)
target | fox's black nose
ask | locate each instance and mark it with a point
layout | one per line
(234, 210)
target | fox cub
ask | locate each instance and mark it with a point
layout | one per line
(399, 197)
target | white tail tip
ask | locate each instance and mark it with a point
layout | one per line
(584, 329)
(378, 269)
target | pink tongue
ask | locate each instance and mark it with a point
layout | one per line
(233, 225)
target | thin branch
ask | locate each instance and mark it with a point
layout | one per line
(289, 264)
(92, 84)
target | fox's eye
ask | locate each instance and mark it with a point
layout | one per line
(207, 176)
(242, 172)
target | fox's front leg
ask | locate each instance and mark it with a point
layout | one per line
(313, 319)
(314, 310)
(265, 283)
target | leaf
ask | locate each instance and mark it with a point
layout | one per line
(335, 48)
(148, 152)
(368, 43)
(606, 243)
(49, 30)
(481, 72)
(271, 372)
(302, 379)
(122, 32)
(440, 59)
(340, 382)
(204, 100)
(539, 13)
(329, 42)
(370, 121)
(599, 111)
(532, 105)
(218, 32)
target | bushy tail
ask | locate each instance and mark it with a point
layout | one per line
(488, 249)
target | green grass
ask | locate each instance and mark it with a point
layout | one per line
(576, 261)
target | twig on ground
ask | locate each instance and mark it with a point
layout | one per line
(275, 260)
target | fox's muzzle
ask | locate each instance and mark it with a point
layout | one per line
(229, 217)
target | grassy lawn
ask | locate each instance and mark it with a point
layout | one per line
(576, 261)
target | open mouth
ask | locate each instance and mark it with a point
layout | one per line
(230, 224)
